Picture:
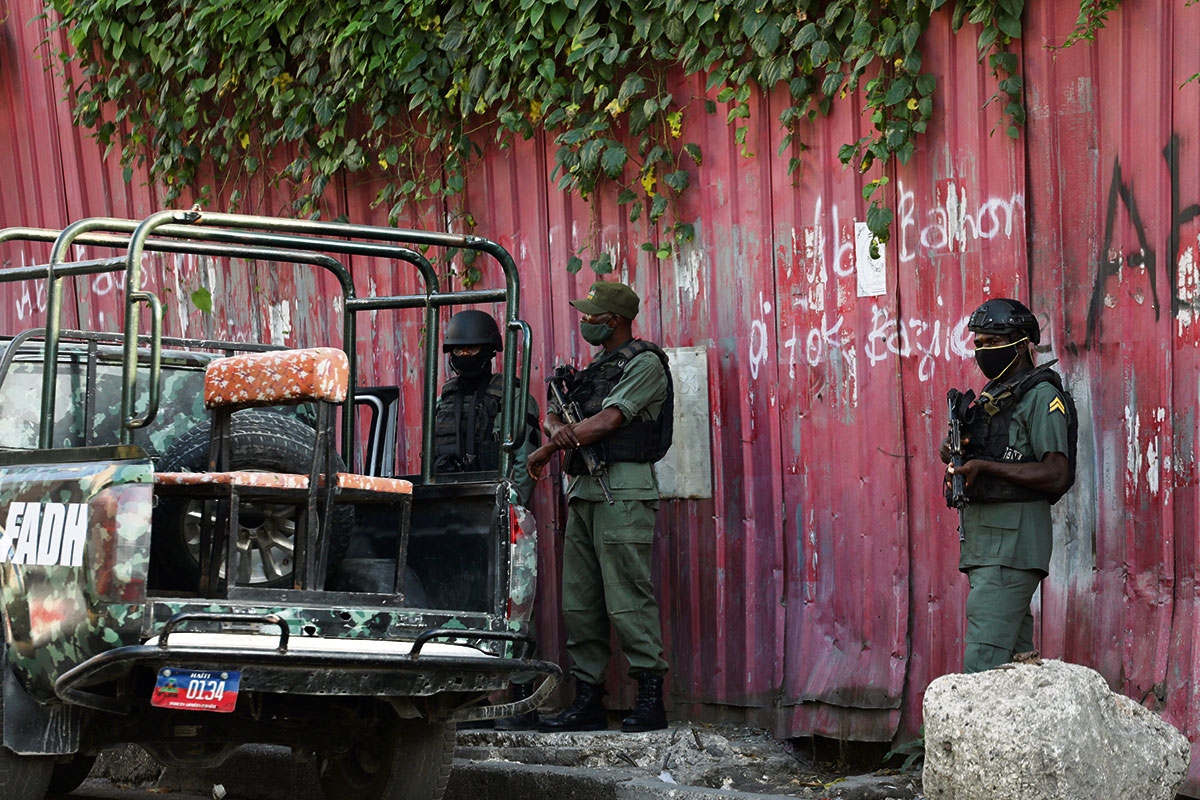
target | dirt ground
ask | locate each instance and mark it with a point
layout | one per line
(718, 757)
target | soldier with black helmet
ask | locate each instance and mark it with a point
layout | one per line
(1019, 453)
(467, 429)
(467, 423)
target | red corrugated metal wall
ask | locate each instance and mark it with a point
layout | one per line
(817, 591)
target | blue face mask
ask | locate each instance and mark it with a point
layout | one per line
(595, 332)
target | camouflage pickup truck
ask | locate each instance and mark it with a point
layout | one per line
(207, 543)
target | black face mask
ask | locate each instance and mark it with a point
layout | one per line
(995, 361)
(472, 368)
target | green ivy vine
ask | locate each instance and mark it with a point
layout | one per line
(417, 90)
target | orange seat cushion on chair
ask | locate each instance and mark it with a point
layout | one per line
(262, 480)
(276, 480)
(370, 483)
(282, 377)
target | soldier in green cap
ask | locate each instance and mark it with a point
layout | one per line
(1019, 458)
(622, 405)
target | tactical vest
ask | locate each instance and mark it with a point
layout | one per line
(987, 430)
(640, 440)
(464, 430)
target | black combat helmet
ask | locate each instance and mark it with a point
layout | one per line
(1005, 316)
(470, 328)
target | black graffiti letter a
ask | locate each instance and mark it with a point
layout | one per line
(1110, 263)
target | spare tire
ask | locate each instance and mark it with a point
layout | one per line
(261, 441)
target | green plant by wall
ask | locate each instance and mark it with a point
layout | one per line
(418, 89)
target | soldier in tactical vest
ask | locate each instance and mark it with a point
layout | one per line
(467, 422)
(467, 429)
(1018, 459)
(622, 405)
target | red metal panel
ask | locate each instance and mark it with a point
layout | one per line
(960, 238)
(719, 291)
(1117, 134)
(844, 459)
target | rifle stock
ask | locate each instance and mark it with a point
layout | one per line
(591, 459)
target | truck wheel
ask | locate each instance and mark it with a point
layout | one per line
(398, 759)
(68, 775)
(21, 777)
(260, 441)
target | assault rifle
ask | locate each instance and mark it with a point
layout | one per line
(590, 454)
(957, 404)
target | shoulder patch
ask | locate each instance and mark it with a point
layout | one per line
(1057, 405)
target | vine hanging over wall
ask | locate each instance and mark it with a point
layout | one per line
(419, 88)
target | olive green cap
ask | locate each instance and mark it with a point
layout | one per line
(609, 297)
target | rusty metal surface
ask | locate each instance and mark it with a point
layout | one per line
(818, 591)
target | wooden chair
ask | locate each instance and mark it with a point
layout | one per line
(282, 378)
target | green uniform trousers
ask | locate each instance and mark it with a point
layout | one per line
(999, 624)
(607, 580)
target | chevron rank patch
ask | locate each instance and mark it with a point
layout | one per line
(1057, 405)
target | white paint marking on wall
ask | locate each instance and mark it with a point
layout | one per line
(183, 300)
(1187, 288)
(1152, 466)
(279, 322)
(759, 339)
(817, 274)
(688, 264)
(950, 225)
(1132, 447)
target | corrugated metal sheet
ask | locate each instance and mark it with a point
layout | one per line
(817, 591)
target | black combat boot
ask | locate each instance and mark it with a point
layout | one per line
(586, 713)
(648, 713)
(521, 722)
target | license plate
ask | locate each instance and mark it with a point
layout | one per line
(196, 690)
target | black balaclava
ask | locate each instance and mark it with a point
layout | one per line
(473, 370)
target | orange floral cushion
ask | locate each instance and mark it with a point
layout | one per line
(282, 377)
(276, 480)
(349, 480)
(265, 480)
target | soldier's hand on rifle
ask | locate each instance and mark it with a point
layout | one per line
(970, 470)
(565, 438)
(945, 451)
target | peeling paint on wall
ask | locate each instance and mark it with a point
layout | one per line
(279, 322)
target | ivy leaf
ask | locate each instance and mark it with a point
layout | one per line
(202, 300)
(677, 180)
(658, 207)
(879, 220)
(808, 34)
(898, 92)
(574, 264)
(614, 159)
(1011, 26)
(602, 265)
(630, 87)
